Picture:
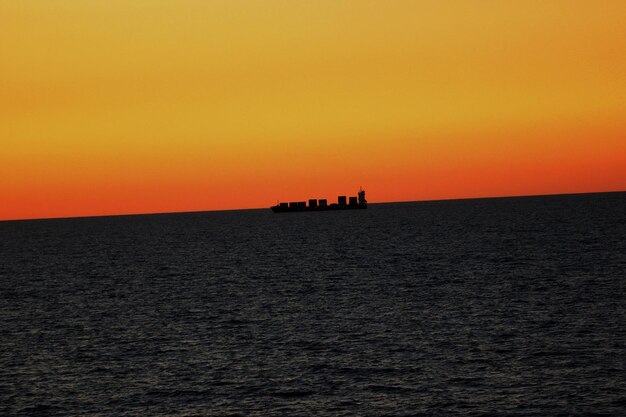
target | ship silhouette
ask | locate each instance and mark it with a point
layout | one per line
(342, 203)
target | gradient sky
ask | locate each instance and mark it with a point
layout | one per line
(123, 106)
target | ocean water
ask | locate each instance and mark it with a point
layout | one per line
(510, 307)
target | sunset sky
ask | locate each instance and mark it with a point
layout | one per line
(129, 106)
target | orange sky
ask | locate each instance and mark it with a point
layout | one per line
(126, 106)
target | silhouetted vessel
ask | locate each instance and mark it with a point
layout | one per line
(342, 203)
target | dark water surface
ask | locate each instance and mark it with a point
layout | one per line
(479, 307)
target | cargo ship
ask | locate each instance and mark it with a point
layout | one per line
(342, 203)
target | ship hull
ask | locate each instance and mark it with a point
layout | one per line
(332, 207)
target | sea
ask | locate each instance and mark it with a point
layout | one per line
(506, 307)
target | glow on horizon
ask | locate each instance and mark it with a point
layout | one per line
(123, 107)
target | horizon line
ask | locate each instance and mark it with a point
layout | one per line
(266, 208)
